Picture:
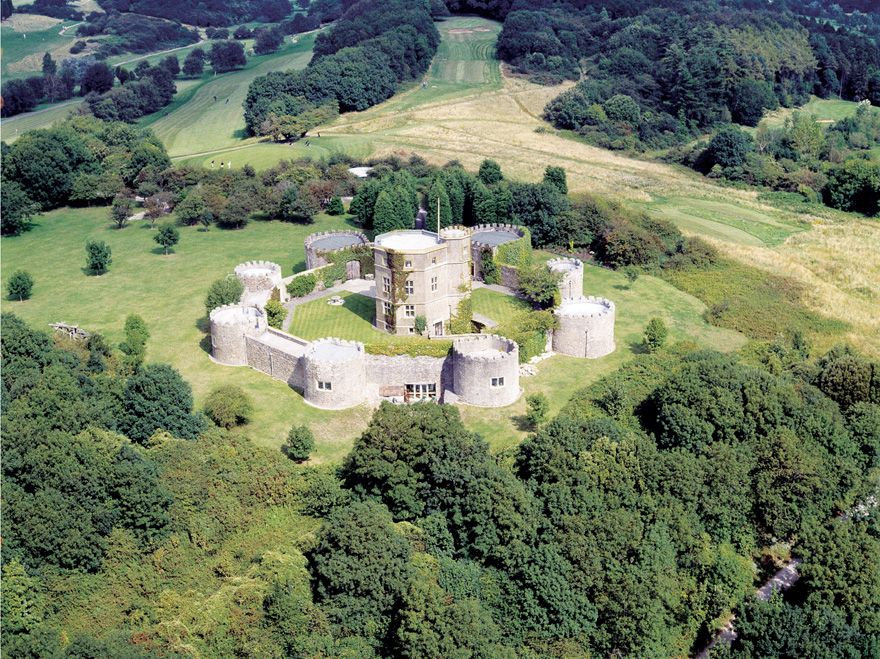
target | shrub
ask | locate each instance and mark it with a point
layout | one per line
(335, 207)
(20, 285)
(631, 272)
(491, 271)
(421, 324)
(223, 291)
(655, 335)
(98, 257)
(302, 285)
(276, 313)
(229, 406)
(300, 442)
(539, 406)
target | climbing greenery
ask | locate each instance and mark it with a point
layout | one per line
(517, 253)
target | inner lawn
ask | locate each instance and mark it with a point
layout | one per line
(168, 292)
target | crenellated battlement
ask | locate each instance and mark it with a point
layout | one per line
(259, 275)
(584, 307)
(318, 245)
(564, 264)
(485, 348)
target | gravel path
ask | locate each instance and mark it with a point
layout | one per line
(782, 580)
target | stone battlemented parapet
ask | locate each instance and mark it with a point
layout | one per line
(231, 324)
(586, 327)
(482, 228)
(259, 275)
(572, 284)
(486, 370)
(325, 242)
(334, 374)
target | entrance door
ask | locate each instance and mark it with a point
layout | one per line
(438, 329)
(586, 343)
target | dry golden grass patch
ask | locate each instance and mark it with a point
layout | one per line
(839, 264)
(30, 22)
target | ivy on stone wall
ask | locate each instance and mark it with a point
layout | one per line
(491, 272)
(462, 321)
(398, 287)
(340, 258)
(517, 253)
(529, 330)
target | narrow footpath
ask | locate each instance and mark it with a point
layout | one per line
(782, 580)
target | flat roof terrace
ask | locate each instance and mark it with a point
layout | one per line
(331, 243)
(494, 238)
(408, 241)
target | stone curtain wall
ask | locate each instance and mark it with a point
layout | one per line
(386, 376)
(276, 362)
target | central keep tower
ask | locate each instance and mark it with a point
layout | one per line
(420, 273)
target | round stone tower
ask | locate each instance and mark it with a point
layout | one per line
(486, 370)
(572, 284)
(586, 327)
(334, 374)
(231, 324)
(259, 275)
(318, 244)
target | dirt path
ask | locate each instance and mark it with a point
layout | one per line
(66, 28)
(782, 580)
(161, 52)
(51, 107)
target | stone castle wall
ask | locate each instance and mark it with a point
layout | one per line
(509, 274)
(261, 282)
(347, 377)
(231, 324)
(477, 361)
(572, 284)
(585, 335)
(314, 256)
(387, 375)
(282, 364)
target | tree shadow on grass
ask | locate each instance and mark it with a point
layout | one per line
(636, 347)
(299, 266)
(89, 272)
(522, 423)
(203, 324)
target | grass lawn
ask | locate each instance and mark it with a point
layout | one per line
(560, 376)
(822, 109)
(352, 320)
(497, 306)
(168, 292)
(723, 221)
(26, 42)
(199, 124)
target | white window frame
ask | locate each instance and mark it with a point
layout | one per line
(498, 382)
(324, 385)
(409, 310)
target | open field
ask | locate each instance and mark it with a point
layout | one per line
(197, 123)
(168, 293)
(820, 108)
(721, 220)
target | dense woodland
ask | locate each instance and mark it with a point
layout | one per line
(357, 63)
(629, 525)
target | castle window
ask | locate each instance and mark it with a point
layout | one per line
(386, 285)
(433, 283)
(433, 260)
(409, 288)
(325, 386)
(407, 264)
(497, 382)
(388, 309)
(420, 391)
(410, 310)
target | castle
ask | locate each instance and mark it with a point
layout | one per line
(417, 274)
